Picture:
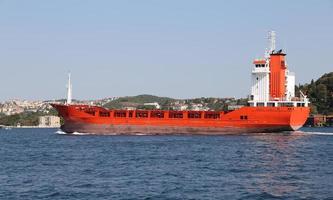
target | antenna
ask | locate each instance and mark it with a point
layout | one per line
(69, 90)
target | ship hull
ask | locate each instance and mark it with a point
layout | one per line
(104, 129)
(258, 120)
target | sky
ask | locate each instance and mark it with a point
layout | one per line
(174, 48)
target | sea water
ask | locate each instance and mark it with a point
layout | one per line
(47, 164)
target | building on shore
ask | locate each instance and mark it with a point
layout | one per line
(329, 120)
(319, 120)
(155, 104)
(49, 121)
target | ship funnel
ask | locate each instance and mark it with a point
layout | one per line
(69, 90)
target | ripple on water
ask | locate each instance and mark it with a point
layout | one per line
(43, 164)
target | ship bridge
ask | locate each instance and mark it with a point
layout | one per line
(272, 84)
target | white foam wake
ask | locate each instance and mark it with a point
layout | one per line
(78, 133)
(140, 134)
(60, 132)
(318, 133)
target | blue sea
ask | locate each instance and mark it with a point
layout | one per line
(44, 164)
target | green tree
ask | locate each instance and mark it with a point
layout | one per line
(320, 93)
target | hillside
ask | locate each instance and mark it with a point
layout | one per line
(24, 119)
(166, 103)
(135, 101)
(320, 93)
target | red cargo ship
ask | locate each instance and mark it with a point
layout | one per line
(272, 107)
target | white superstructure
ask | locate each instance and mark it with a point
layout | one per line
(260, 81)
(290, 85)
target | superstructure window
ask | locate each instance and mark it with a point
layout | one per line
(270, 104)
(260, 104)
(286, 104)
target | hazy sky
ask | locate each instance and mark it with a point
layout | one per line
(176, 48)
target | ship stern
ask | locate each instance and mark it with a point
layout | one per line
(298, 117)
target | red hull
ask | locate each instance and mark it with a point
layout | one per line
(97, 120)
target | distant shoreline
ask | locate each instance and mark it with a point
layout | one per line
(10, 127)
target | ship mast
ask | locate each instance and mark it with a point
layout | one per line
(271, 40)
(69, 90)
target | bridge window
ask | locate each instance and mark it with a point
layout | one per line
(300, 104)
